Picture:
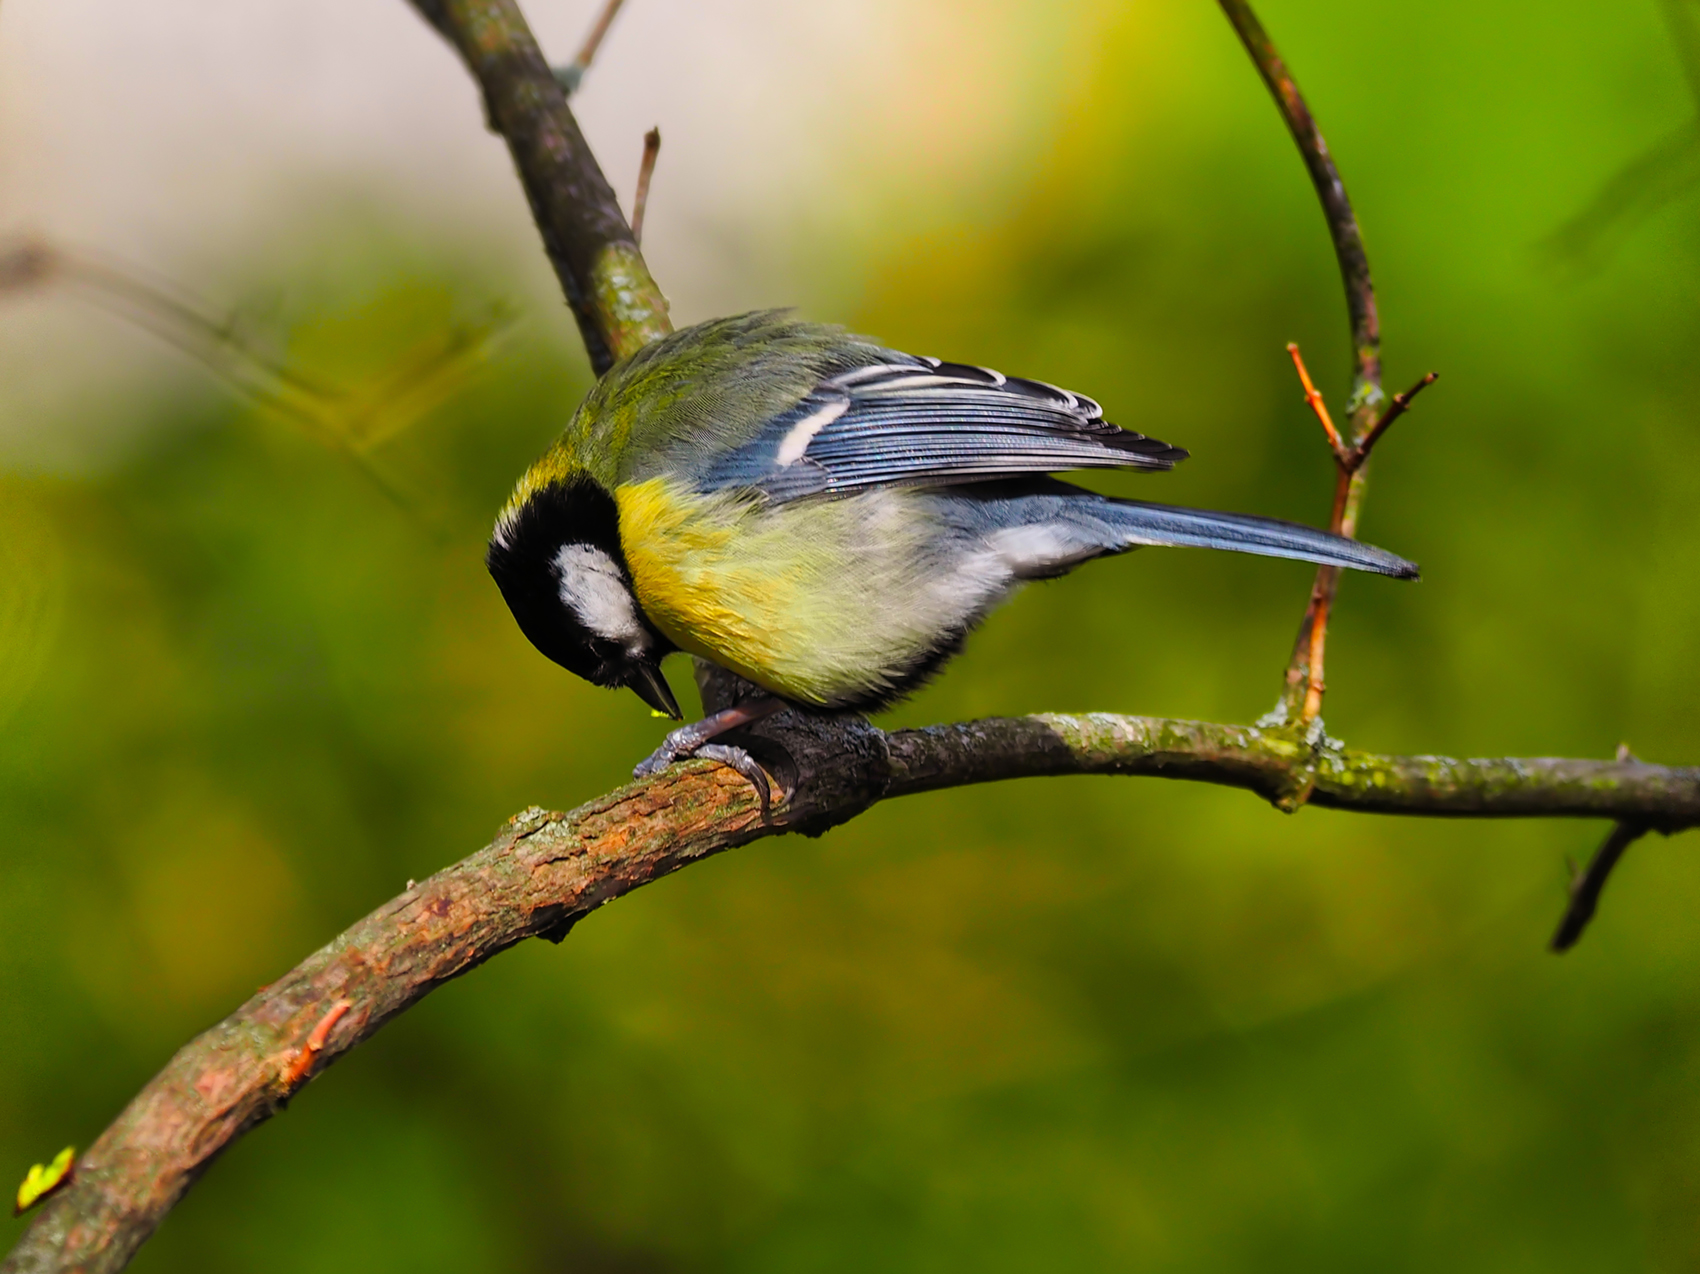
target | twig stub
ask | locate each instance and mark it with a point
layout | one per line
(646, 170)
(303, 1061)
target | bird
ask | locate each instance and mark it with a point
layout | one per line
(826, 518)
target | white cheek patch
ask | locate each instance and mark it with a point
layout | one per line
(594, 588)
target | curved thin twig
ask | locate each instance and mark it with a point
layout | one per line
(1301, 695)
(1349, 460)
(1331, 190)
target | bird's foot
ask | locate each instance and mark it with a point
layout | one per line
(694, 740)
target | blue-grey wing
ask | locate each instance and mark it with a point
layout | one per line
(920, 422)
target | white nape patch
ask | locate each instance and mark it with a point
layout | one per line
(796, 442)
(1040, 550)
(594, 588)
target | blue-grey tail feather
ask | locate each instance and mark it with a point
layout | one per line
(1083, 525)
(1166, 524)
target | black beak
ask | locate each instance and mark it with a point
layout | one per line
(650, 686)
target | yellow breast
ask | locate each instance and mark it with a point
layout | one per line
(700, 575)
(827, 602)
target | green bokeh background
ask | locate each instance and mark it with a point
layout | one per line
(1072, 1024)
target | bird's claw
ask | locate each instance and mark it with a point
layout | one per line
(682, 745)
(745, 764)
(657, 761)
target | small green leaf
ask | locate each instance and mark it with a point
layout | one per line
(42, 1181)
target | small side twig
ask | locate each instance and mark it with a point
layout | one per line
(646, 170)
(572, 74)
(1313, 396)
(1587, 885)
(1400, 405)
(1306, 666)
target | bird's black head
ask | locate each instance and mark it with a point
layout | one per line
(556, 557)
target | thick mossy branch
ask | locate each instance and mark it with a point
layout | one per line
(544, 872)
(1275, 763)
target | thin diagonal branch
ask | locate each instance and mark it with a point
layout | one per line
(1398, 407)
(1658, 175)
(1683, 18)
(598, 31)
(571, 75)
(352, 423)
(1648, 182)
(618, 306)
(1587, 885)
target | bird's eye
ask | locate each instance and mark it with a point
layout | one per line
(611, 660)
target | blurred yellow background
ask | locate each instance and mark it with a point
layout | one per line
(253, 677)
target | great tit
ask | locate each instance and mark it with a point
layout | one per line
(822, 516)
